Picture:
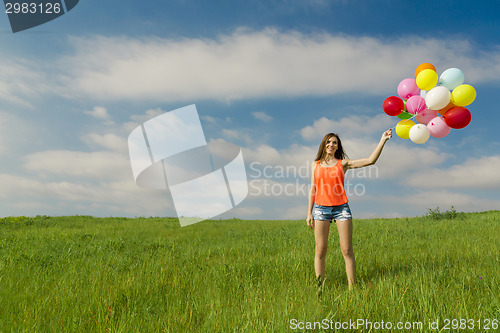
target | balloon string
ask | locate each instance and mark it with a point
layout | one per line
(394, 128)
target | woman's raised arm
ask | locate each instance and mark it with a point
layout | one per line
(353, 164)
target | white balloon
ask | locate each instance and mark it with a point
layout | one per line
(419, 134)
(437, 98)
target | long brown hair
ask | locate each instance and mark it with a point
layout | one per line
(339, 154)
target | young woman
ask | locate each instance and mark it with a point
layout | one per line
(328, 201)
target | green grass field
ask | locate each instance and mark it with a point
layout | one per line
(81, 274)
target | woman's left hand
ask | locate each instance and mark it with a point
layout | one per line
(310, 221)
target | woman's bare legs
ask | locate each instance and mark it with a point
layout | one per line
(321, 230)
(345, 237)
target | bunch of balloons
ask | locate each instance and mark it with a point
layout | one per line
(437, 103)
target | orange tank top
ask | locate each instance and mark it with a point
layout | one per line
(329, 183)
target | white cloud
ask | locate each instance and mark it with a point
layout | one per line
(93, 165)
(474, 173)
(3, 127)
(148, 114)
(438, 198)
(138, 119)
(234, 134)
(352, 126)
(260, 64)
(109, 141)
(244, 64)
(441, 198)
(295, 156)
(118, 198)
(17, 134)
(77, 182)
(99, 112)
(209, 119)
(403, 161)
(262, 116)
(21, 78)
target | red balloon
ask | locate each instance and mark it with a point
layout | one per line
(457, 117)
(393, 105)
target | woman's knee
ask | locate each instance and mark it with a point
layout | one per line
(321, 250)
(347, 252)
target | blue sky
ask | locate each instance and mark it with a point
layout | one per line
(270, 76)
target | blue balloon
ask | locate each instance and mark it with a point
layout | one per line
(451, 78)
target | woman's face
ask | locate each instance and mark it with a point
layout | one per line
(331, 145)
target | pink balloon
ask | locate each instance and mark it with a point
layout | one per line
(407, 88)
(438, 127)
(415, 104)
(425, 116)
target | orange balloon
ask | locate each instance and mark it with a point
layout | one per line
(423, 66)
(446, 108)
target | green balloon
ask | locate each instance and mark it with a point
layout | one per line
(404, 115)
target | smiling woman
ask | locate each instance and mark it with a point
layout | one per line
(328, 201)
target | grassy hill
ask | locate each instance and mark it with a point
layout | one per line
(81, 273)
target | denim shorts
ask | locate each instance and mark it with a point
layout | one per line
(329, 213)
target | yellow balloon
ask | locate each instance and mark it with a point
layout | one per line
(463, 95)
(403, 128)
(427, 79)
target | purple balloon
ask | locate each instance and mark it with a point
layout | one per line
(407, 88)
(438, 127)
(415, 104)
